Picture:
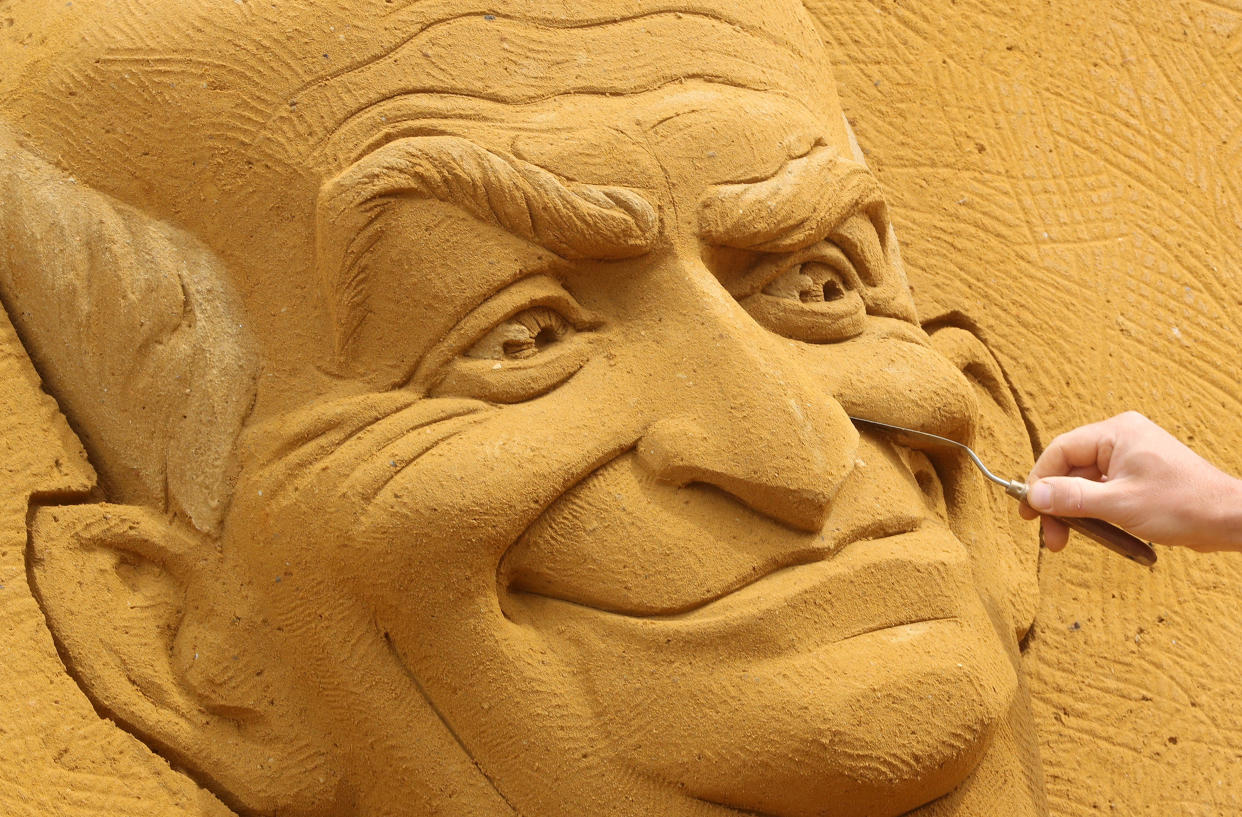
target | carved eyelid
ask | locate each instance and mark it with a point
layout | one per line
(872, 268)
(861, 241)
(532, 291)
(769, 269)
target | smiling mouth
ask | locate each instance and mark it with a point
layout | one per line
(770, 578)
(627, 545)
(919, 576)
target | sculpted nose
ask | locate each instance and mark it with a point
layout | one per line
(766, 436)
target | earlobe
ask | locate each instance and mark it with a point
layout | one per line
(1004, 442)
(122, 591)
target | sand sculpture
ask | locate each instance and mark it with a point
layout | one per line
(468, 396)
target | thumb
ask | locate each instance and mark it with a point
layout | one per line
(1073, 496)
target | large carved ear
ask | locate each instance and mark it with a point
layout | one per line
(115, 583)
(134, 326)
(1008, 564)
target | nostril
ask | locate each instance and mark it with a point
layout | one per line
(795, 490)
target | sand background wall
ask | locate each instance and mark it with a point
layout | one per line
(1070, 176)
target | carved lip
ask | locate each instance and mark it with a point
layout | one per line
(867, 585)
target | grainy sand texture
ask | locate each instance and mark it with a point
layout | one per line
(441, 408)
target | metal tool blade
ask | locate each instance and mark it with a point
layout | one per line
(1012, 487)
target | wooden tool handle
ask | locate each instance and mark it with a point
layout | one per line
(1113, 538)
(1110, 536)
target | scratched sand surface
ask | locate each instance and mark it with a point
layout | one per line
(1070, 178)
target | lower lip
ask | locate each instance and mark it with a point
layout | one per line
(905, 581)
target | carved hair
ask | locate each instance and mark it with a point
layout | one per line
(135, 330)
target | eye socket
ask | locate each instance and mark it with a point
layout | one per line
(520, 343)
(814, 296)
(811, 283)
(525, 335)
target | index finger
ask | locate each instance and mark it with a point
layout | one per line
(1086, 447)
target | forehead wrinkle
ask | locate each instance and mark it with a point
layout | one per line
(536, 63)
(423, 113)
(604, 153)
(724, 147)
(608, 14)
(548, 22)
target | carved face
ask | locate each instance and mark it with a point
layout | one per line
(577, 507)
(609, 514)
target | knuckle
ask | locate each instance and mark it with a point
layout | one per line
(1067, 496)
(1075, 497)
(1104, 454)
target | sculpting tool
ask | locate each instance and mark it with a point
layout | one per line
(1110, 536)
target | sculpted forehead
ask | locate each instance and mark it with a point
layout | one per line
(486, 68)
(275, 82)
(687, 133)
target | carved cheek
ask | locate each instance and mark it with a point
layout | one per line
(882, 377)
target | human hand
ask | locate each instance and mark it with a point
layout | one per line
(1129, 471)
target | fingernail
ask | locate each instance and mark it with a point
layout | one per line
(1040, 496)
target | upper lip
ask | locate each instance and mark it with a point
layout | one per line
(825, 548)
(870, 584)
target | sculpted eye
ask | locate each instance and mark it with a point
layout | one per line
(811, 283)
(814, 295)
(520, 343)
(523, 336)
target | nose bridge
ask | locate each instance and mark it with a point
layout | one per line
(738, 414)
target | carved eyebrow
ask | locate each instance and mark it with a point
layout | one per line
(795, 207)
(571, 219)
